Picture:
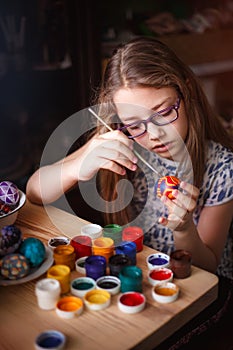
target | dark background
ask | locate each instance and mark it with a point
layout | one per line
(56, 70)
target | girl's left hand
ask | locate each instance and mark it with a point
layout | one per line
(181, 208)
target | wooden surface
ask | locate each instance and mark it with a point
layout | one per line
(22, 320)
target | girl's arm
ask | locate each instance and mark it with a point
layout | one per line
(112, 151)
(205, 241)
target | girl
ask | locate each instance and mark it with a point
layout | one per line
(160, 106)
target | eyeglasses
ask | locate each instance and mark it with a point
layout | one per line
(163, 117)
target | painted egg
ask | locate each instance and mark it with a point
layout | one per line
(34, 250)
(9, 193)
(10, 239)
(14, 266)
(165, 185)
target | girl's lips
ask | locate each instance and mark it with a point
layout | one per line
(161, 148)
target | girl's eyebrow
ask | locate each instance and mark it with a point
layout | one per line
(155, 108)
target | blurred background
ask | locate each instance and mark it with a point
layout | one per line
(53, 53)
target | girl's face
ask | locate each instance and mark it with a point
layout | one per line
(137, 104)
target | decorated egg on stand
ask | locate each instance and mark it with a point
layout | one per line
(9, 193)
(165, 185)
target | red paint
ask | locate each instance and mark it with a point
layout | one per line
(161, 274)
(133, 234)
(82, 245)
(132, 299)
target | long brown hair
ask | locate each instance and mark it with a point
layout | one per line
(147, 62)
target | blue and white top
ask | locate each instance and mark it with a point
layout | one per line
(217, 188)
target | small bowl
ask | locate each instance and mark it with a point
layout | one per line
(111, 284)
(157, 260)
(80, 264)
(166, 292)
(157, 276)
(97, 299)
(10, 218)
(56, 241)
(50, 340)
(131, 302)
(81, 285)
(68, 307)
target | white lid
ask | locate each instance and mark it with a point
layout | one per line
(131, 302)
(166, 292)
(92, 230)
(85, 283)
(104, 283)
(157, 260)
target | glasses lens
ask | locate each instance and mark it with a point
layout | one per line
(136, 129)
(166, 117)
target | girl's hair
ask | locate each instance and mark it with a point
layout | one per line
(147, 62)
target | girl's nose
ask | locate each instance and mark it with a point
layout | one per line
(155, 131)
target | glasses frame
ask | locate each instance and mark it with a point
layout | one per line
(176, 106)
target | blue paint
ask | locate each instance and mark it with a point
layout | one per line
(50, 339)
(50, 342)
(158, 261)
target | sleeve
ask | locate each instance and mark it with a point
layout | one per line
(219, 182)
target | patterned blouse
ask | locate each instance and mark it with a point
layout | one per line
(217, 188)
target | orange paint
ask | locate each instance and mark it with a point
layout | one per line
(165, 291)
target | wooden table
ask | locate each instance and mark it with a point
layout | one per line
(22, 320)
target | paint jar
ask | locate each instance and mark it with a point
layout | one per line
(131, 279)
(50, 339)
(95, 266)
(82, 245)
(62, 274)
(117, 262)
(103, 246)
(92, 230)
(180, 263)
(133, 234)
(48, 292)
(56, 241)
(129, 249)
(114, 232)
(65, 255)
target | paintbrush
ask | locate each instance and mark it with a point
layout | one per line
(135, 152)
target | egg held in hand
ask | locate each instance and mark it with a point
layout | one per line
(165, 185)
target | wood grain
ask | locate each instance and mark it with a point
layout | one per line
(23, 320)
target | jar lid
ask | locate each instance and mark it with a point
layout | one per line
(81, 285)
(111, 284)
(80, 265)
(166, 292)
(157, 260)
(159, 275)
(58, 270)
(50, 339)
(92, 230)
(56, 241)
(103, 242)
(64, 250)
(68, 307)
(131, 302)
(97, 299)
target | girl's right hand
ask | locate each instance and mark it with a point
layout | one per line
(112, 151)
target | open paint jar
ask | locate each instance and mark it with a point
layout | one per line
(131, 302)
(157, 260)
(111, 284)
(50, 339)
(68, 307)
(157, 276)
(96, 300)
(81, 285)
(166, 292)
